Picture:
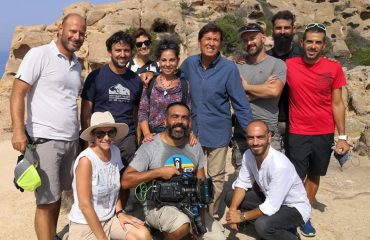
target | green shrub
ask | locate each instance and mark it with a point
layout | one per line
(230, 25)
(359, 48)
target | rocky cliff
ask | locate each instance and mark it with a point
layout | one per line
(184, 18)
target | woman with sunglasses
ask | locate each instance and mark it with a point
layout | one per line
(97, 211)
(165, 88)
(141, 62)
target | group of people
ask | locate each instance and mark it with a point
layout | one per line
(286, 100)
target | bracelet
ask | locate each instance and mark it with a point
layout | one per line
(119, 211)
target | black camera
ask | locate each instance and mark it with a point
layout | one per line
(186, 192)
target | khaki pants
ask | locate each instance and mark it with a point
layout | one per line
(216, 163)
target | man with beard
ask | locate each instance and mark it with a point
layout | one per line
(116, 89)
(280, 204)
(263, 79)
(50, 76)
(158, 160)
(284, 48)
(315, 108)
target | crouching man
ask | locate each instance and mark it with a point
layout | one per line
(165, 157)
(278, 201)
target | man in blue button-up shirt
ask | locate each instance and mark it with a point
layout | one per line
(214, 81)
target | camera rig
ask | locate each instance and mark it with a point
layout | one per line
(186, 192)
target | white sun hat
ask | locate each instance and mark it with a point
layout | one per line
(101, 120)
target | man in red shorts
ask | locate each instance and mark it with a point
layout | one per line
(315, 108)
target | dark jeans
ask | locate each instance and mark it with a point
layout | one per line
(275, 226)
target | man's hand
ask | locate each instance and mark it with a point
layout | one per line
(271, 79)
(19, 141)
(168, 172)
(233, 217)
(342, 147)
(146, 77)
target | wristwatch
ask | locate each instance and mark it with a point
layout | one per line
(343, 137)
(242, 217)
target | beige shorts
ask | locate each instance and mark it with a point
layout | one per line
(111, 227)
(169, 219)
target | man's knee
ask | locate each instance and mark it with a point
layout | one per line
(263, 228)
(179, 233)
(228, 198)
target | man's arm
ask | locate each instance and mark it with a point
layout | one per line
(17, 110)
(86, 112)
(272, 87)
(131, 177)
(339, 117)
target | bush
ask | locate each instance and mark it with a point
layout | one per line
(230, 25)
(360, 49)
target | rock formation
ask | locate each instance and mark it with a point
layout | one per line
(184, 18)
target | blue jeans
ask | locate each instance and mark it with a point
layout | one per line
(275, 226)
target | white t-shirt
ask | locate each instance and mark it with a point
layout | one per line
(52, 100)
(105, 185)
(278, 181)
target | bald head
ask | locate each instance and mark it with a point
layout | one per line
(257, 124)
(72, 15)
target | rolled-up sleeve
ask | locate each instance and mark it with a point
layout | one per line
(245, 179)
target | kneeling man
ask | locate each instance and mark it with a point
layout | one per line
(158, 160)
(278, 201)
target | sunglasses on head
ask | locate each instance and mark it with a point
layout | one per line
(165, 46)
(146, 43)
(101, 134)
(318, 25)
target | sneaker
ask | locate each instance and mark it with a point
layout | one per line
(308, 230)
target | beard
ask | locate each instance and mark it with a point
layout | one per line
(283, 42)
(253, 53)
(177, 135)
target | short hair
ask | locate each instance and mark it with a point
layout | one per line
(210, 27)
(141, 32)
(285, 14)
(314, 29)
(66, 17)
(169, 106)
(258, 121)
(118, 37)
(167, 44)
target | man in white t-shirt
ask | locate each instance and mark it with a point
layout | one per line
(49, 76)
(278, 202)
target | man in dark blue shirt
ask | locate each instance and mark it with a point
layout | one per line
(214, 82)
(116, 89)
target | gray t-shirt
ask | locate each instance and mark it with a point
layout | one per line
(157, 154)
(265, 109)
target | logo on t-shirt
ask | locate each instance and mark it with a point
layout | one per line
(119, 93)
(180, 162)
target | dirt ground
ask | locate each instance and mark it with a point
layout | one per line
(342, 210)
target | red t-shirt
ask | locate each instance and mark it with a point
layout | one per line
(310, 95)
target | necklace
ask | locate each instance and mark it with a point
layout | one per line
(165, 87)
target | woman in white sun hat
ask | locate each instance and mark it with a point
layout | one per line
(97, 211)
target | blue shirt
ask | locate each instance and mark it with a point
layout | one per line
(211, 89)
(118, 94)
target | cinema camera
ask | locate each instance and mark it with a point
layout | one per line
(186, 192)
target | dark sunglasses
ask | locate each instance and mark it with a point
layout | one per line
(165, 46)
(312, 25)
(100, 134)
(146, 43)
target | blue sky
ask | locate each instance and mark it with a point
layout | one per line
(30, 12)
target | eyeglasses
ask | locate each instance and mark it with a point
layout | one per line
(100, 134)
(318, 25)
(140, 44)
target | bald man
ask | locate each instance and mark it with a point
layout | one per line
(280, 204)
(50, 77)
